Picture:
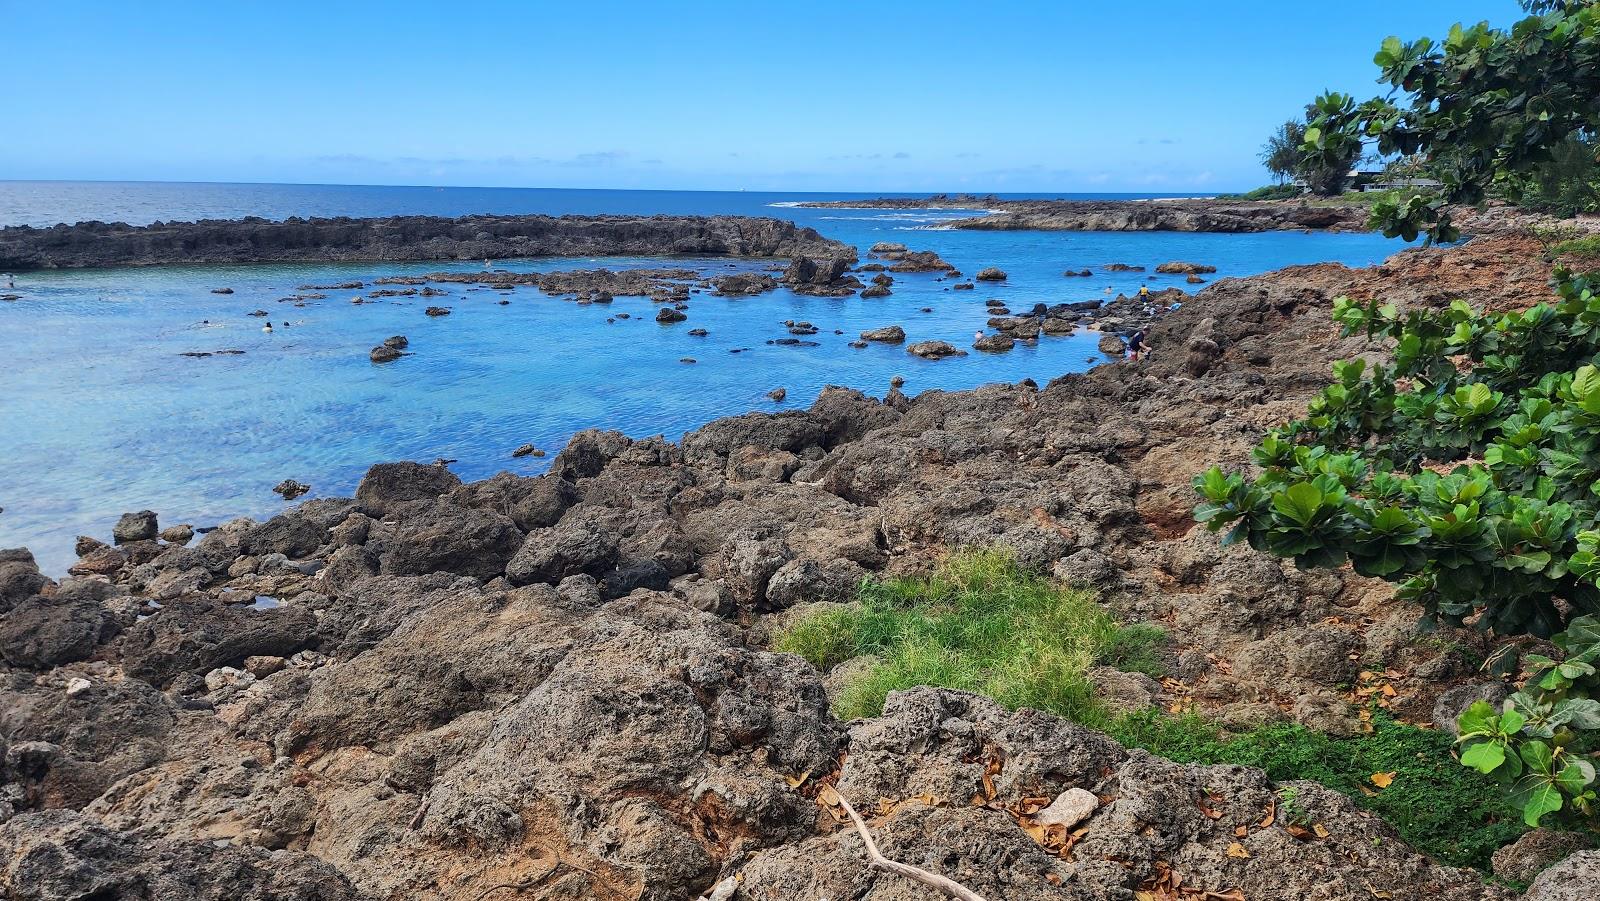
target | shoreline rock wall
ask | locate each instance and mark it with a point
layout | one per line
(1198, 215)
(399, 238)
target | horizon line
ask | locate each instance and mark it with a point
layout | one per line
(314, 184)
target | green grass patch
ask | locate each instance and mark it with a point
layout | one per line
(1268, 192)
(1443, 809)
(1587, 247)
(979, 623)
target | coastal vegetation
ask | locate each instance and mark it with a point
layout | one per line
(1266, 192)
(1489, 107)
(1324, 174)
(977, 623)
(1400, 772)
(981, 623)
(1465, 471)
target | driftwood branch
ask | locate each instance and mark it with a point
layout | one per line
(947, 887)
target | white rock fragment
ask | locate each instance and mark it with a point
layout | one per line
(78, 686)
(1070, 808)
(225, 676)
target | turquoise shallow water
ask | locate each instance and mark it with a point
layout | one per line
(100, 414)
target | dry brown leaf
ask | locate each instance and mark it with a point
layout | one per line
(1320, 830)
(1272, 814)
(1382, 780)
(797, 781)
(1237, 850)
(1241, 831)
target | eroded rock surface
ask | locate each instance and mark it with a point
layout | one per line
(546, 686)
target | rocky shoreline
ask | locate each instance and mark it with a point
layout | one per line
(1186, 215)
(557, 686)
(256, 240)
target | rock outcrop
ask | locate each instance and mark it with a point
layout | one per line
(256, 240)
(1198, 215)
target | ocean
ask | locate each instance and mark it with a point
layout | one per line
(100, 413)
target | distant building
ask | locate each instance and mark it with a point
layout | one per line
(1390, 184)
(1374, 180)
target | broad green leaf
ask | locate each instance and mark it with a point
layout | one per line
(1538, 756)
(1479, 719)
(1299, 502)
(1542, 799)
(1575, 777)
(1485, 757)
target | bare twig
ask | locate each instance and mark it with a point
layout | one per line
(947, 887)
(422, 811)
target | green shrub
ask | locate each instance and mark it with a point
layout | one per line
(1531, 744)
(1448, 812)
(978, 623)
(1464, 472)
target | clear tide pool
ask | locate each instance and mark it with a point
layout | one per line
(100, 413)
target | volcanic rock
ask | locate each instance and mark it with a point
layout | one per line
(934, 350)
(131, 527)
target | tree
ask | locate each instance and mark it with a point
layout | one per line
(1325, 174)
(1569, 183)
(1489, 105)
(1281, 153)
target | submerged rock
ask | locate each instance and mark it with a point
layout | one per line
(889, 334)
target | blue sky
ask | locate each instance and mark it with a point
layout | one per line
(886, 96)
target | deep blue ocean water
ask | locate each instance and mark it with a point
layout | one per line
(99, 413)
